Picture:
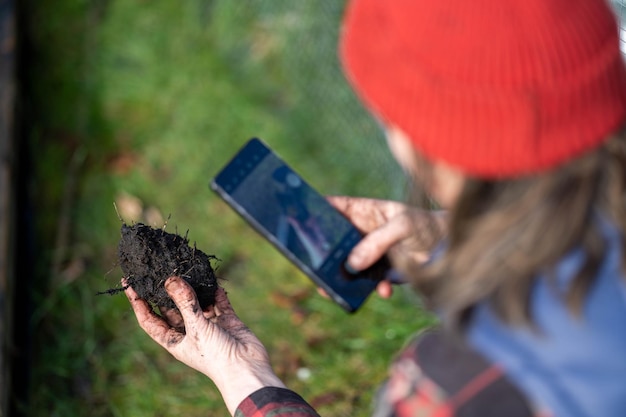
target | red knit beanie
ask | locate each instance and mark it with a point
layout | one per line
(497, 88)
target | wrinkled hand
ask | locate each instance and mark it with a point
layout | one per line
(214, 342)
(390, 227)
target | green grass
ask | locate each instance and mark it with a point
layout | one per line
(149, 99)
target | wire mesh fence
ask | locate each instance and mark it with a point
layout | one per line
(324, 102)
(326, 120)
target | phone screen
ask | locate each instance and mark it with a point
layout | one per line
(298, 220)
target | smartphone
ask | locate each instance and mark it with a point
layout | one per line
(298, 221)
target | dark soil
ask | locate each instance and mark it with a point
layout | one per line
(148, 257)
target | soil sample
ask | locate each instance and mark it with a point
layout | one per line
(149, 256)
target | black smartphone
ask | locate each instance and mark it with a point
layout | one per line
(298, 221)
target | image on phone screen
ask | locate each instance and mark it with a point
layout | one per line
(297, 220)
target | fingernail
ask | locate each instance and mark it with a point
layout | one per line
(348, 265)
(351, 264)
(170, 281)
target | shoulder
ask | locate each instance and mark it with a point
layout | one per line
(571, 363)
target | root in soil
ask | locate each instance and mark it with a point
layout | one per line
(149, 256)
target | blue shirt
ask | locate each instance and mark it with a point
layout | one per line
(569, 365)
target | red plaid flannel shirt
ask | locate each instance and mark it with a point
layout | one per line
(435, 376)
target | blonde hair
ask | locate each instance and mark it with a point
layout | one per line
(503, 233)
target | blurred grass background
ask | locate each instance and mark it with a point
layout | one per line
(140, 102)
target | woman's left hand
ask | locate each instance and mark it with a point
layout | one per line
(215, 342)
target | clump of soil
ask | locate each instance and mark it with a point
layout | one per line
(149, 256)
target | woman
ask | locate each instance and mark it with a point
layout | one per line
(511, 115)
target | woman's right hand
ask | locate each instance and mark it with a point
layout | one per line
(390, 227)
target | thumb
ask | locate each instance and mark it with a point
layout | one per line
(185, 299)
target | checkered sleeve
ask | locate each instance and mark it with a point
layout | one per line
(440, 376)
(275, 402)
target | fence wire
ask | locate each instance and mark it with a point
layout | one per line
(327, 109)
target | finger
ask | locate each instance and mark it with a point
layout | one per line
(364, 213)
(377, 243)
(226, 318)
(222, 303)
(186, 300)
(384, 289)
(373, 247)
(173, 317)
(209, 312)
(323, 293)
(151, 323)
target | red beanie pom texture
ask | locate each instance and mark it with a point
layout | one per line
(497, 88)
